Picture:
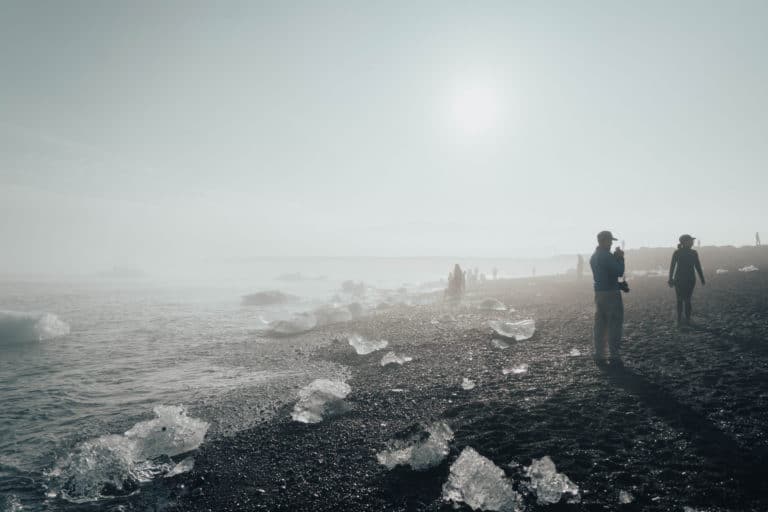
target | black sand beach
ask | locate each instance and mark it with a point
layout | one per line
(681, 425)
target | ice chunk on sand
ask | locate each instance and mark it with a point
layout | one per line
(363, 346)
(320, 398)
(446, 317)
(519, 330)
(392, 358)
(522, 368)
(327, 315)
(171, 433)
(749, 268)
(625, 497)
(421, 450)
(547, 483)
(491, 305)
(721, 271)
(480, 484)
(574, 352)
(467, 383)
(116, 464)
(501, 344)
(17, 327)
(300, 323)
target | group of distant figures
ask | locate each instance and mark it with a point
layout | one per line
(459, 280)
(609, 283)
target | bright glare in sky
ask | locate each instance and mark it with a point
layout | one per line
(475, 109)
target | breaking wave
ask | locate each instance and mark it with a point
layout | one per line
(17, 327)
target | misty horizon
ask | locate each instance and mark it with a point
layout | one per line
(144, 135)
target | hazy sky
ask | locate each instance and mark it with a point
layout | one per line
(134, 131)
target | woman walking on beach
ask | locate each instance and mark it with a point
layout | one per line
(682, 277)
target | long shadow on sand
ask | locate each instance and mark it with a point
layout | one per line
(629, 434)
(709, 441)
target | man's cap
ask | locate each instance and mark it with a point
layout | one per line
(687, 238)
(605, 235)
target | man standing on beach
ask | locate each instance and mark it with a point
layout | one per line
(609, 307)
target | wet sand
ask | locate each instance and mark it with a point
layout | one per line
(682, 424)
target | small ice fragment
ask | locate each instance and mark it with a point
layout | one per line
(392, 358)
(421, 450)
(182, 467)
(320, 398)
(625, 497)
(519, 331)
(492, 305)
(434, 321)
(467, 383)
(480, 484)
(521, 368)
(363, 346)
(749, 268)
(721, 271)
(574, 352)
(547, 483)
(398, 390)
(501, 344)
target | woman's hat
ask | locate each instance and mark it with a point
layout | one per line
(687, 238)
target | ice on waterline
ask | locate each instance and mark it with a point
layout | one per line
(364, 346)
(721, 271)
(547, 483)
(298, 324)
(321, 398)
(519, 330)
(422, 450)
(115, 464)
(171, 433)
(491, 305)
(749, 268)
(17, 327)
(467, 384)
(480, 484)
(392, 358)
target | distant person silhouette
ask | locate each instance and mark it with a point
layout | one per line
(683, 278)
(495, 273)
(757, 239)
(609, 306)
(456, 283)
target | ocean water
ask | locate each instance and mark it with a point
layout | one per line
(102, 380)
(86, 361)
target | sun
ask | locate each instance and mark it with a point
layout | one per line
(475, 109)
